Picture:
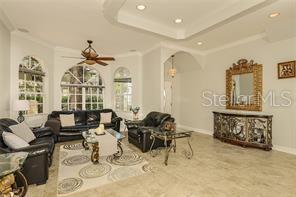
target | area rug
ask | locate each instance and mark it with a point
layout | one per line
(77, 173)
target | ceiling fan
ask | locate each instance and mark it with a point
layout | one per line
(91, 57)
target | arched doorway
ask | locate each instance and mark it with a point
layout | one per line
(176, 67)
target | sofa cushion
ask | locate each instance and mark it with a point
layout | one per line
(75, 128)
(23, 131)
(80, 117)
(13, 141)
(105, 117)
(93, 117)
(67, 120)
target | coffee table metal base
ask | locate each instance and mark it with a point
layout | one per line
(95, 151)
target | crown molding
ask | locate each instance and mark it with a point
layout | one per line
(5, 20)
(182, 48)
(31, 38)
(236, 43)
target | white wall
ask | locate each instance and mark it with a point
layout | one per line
(4, 70)
(212, 78)
(23, 45)
(152, 80)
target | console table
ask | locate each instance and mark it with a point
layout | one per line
(245, 129)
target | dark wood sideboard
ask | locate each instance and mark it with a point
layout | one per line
(247, 130)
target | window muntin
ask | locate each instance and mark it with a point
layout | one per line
(122, 89)
(31, 84)
(82, 89)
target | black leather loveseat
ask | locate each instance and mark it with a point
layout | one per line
(139, 131)
(84, 120)
(40, 152)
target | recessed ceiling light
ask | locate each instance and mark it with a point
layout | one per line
(23, 30)
(178, 20)
(273, 15)
(199, 43)
(141, 7)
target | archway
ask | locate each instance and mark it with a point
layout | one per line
(183, 63)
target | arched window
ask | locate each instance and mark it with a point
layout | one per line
(31, 84)
(123, 89)
(82, 89)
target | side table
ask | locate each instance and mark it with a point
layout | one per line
(10, 165)
(171, 136)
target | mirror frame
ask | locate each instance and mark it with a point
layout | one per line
(244, 66)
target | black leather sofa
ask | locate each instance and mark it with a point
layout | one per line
(39, 159)
(84, 120)
(139, 131)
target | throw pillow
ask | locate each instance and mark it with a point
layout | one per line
(23, 131)
(13, 141)
(105, 117)
(67, 120)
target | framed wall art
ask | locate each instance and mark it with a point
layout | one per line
(286, 69)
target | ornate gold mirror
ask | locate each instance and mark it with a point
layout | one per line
(244, 86)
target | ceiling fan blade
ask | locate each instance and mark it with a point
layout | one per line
(73, 57)
(101, 63)
(106, 58)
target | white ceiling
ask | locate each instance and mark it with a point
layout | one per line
(197, 15)
(69, 23)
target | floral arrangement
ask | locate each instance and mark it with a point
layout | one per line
(135, 111)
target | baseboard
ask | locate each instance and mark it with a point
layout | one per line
(203, 131)
(284, 149)
(207, 132)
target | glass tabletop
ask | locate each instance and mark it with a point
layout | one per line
(89, 137)
(118, 135)
(178, 132)
(11, 162)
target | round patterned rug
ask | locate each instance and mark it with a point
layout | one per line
(63, 154)
(73, 146)
(76, 160)
(129, 158)
(148, 168)
(95, 171)
(124, 173)
(69, 185)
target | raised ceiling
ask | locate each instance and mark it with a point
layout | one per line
(197, 15)
(69, 23)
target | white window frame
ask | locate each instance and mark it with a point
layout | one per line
(83, 85)
(28, 69)
(125, 97)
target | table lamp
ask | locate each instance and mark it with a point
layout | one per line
(21, 106)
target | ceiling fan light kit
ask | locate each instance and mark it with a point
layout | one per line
(91, 57)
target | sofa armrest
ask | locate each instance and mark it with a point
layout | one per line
(133, 124)
(55, 125)
(32, 148)
(116, 119)
(145, 130)
(43, 132)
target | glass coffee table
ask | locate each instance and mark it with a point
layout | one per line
(10, 165)
(91, 139)
(170, 136)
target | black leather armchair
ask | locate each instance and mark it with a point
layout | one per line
(40, 152)
(139, 131)
(84, 120)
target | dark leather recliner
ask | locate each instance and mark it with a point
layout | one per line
(35, 168)
(84, 120)
(139, 131)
